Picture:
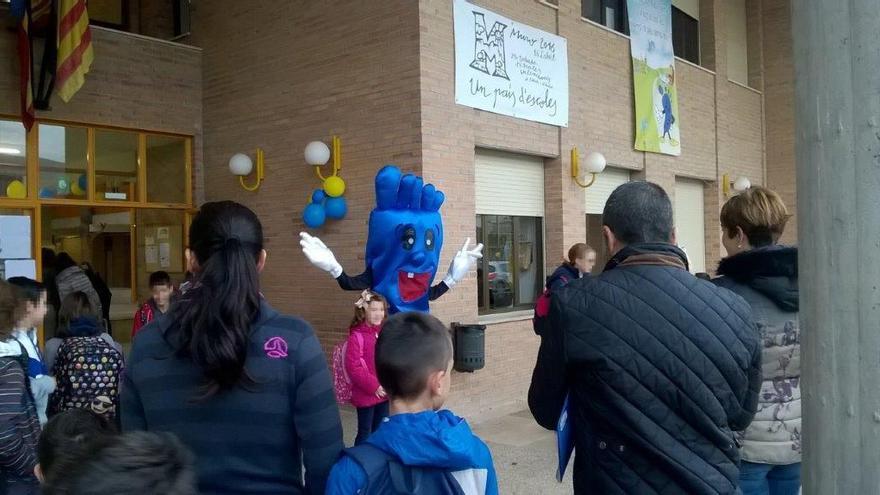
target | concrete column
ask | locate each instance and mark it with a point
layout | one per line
(837, 119)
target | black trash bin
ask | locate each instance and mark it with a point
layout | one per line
(469, 347)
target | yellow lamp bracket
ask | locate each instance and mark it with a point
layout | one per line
(575, 170)
(336, 156)
(260, 173)
(726, 185)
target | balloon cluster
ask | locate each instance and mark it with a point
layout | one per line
(64, 187)
(326, 203)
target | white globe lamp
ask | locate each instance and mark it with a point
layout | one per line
(317, 153)
(241, 164)
(741, 184)
(594, 162)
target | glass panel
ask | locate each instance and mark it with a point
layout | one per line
(116, 158)
(13, 164)
(160, 244)
(592, 10)
(96, 239)
(480, 284)
(63, 155)
(166, 169)
(14, 243)
(529, 260)
(499, 235)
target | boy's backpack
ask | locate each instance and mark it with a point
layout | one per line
(542, 306)
(87, 372)
(386, 475)
(341, 380)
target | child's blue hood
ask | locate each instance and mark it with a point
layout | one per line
(430, 439)
(437, 439)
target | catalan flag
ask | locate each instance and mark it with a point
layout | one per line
(75, 52)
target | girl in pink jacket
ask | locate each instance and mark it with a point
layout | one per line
(366, 394)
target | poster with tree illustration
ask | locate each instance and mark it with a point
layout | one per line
(656, 99)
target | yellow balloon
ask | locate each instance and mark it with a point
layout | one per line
(16, 189)
(76, 190)
(334, 186)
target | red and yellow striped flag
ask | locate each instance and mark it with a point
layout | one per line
(75, 53)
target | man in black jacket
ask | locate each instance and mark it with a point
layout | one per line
(661, 367)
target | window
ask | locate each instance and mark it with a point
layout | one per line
(109, 13)
(13, 158)
(63, 152)
(690, 221)
(166, 169)
(609, 13)
(116, 165)
(685, 36)
(511, 274)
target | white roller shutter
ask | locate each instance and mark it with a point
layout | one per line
(690, 222)
(509, 184)
(606, 182)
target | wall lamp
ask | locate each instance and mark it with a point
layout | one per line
(732, 188)
(594, 163)
(241, 165)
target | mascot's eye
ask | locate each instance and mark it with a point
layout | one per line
(409, 238)
(429, 239)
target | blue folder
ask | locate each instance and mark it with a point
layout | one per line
(564, 439)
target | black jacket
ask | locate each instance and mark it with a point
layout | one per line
(661, 368)
(564, 274)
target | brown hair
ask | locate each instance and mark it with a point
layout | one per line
(10, 308)
(579, 250)
(75, 305)
(360, 312)
(759, 212)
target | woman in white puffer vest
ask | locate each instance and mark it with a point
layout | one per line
(766, 276)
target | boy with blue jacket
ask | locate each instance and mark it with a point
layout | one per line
(413, 364)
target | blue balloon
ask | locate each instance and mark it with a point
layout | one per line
(318, 196)
(314, 215)
(83, 181)
(47, 192)
(336, 208)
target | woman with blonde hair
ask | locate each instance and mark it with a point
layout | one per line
(765, 274)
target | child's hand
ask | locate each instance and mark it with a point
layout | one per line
(380, 392)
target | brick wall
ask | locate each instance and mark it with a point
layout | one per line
(315, 69)
(382, 77)
(600, 119)
(779, 101)
(134, 82)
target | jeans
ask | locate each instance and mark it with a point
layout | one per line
(769, 479)
(369, 419)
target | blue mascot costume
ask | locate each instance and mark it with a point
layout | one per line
(403, 245)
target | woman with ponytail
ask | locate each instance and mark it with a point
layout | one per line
(245, 388)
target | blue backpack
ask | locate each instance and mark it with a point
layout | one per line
(386, 475)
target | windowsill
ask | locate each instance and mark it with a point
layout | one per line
(744, 86)
(175, 44)
(604, 27)
(496, 318)
(548, 4)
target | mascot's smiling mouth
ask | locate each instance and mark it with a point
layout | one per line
(413, 286)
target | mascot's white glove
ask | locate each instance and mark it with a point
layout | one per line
(464, 261)
(319, 254)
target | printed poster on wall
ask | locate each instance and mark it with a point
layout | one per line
(657, 122)
(505, 67)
